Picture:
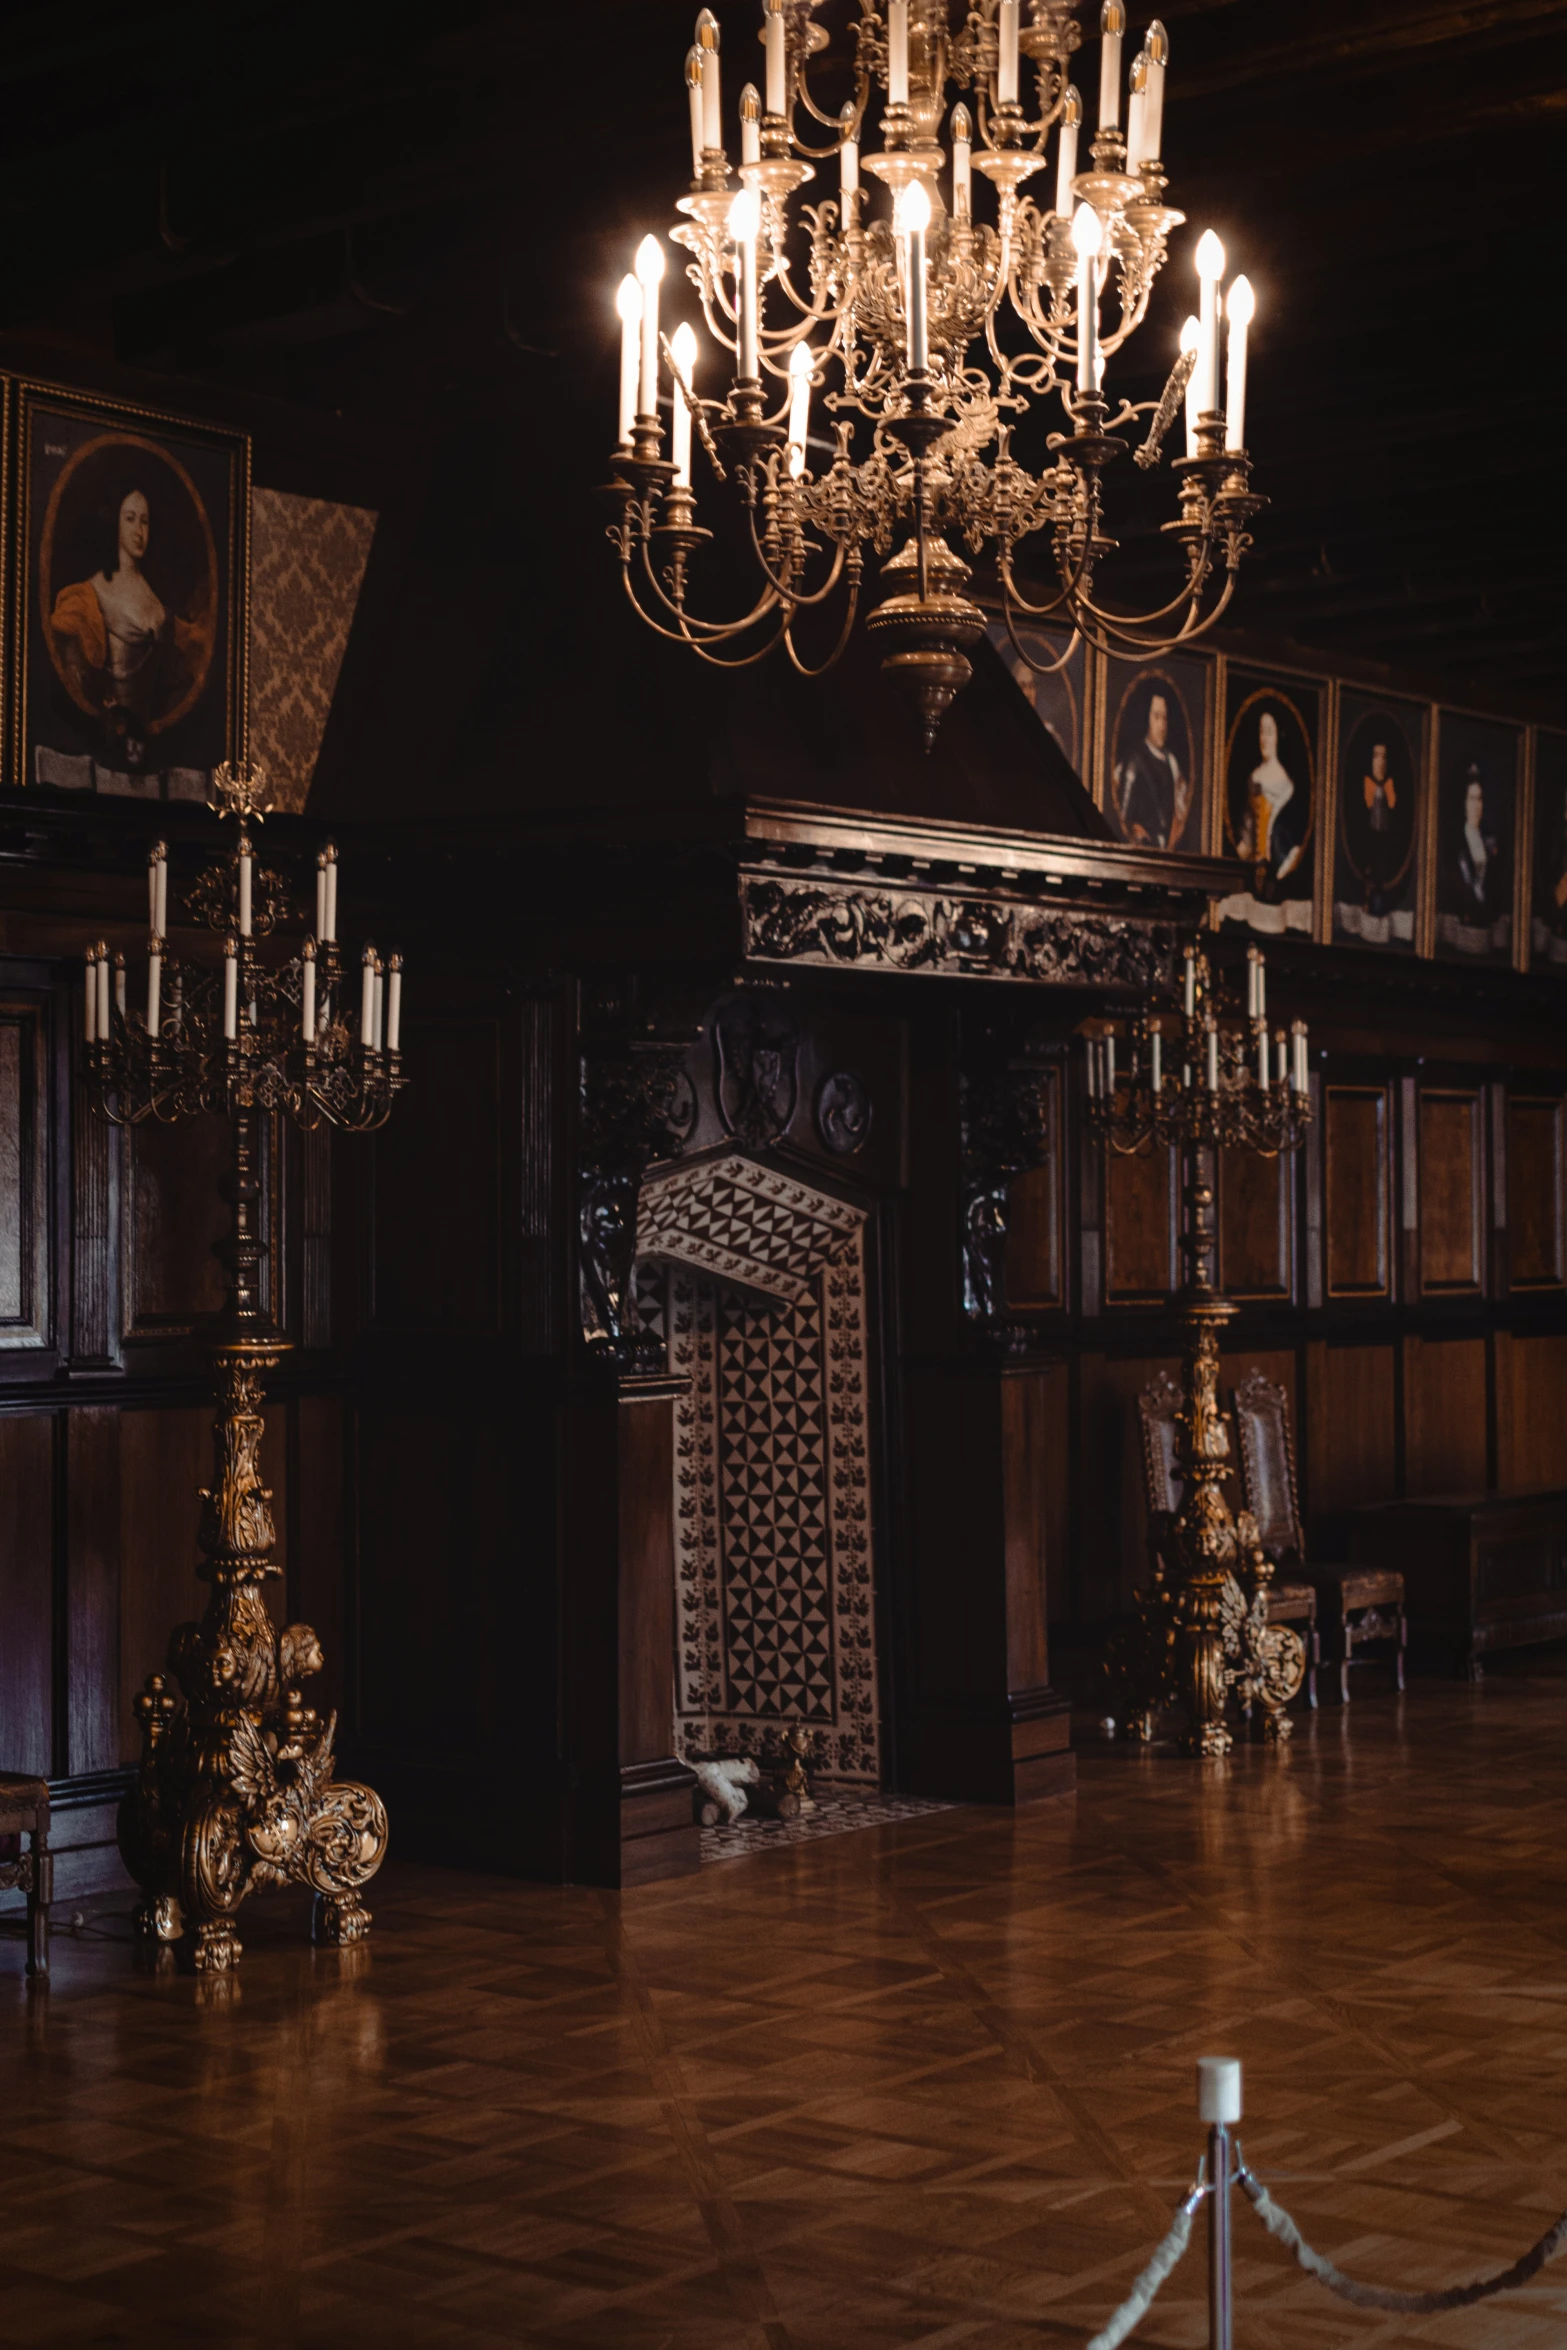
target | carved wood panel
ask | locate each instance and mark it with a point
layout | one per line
(1452, 1191)
(1531, 1409)
(1140, 1228)
(1356, 1136)
(1256, 1225)
(1444, 1415)
(1350, 1402)
(1535, 1191)
(25, 1314)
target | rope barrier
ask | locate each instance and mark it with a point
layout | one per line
(1139, 2300)
(1283, 2229)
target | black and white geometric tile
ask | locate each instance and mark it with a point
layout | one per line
(744, 1222)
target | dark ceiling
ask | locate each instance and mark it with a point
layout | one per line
(408, 225)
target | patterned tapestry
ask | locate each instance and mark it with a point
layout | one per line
(775, 1617)
(307, 565)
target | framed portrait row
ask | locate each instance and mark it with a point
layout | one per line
(1353, 817)
(126, 569)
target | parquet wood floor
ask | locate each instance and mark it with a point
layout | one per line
(929, 2085)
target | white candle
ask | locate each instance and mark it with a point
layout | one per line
(378, 1007)
(1085, 237)
(773, 36)
(745, 220)
(331, 893)
(1156, 49)
(1191, 339)
(1262, 985)
(683, 346)
(90, 999)
(245, 866)
(712, 90)
(1191, 981)
(1213, 1058)
(1156, 1048)
(119, 988)
(394, 1004)
(650, 268)
(1109, 1060)
(1066, 152)
(1006, 56)
(800, 366)
(307, 991)
(230, 989)
(1281, 1058)
(848, 159)
(1136, 103)
(1112, 24)
(628, 304)
(367, 1001)
(321, 895)
(1262, 1054)
(897, 52)
(962, 164)
(1252, 1006)
(1210, 268)
(153, 856)
(1240, 306)
(1299, 1034)
(916, 220)
(697, 107)
(750, 124)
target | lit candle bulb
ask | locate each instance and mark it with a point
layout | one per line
(962, 164)
(394, 1004)
(1213, 1058)
(1066, 151)
(628, 303)
(246, 864)
(1191, 981)
(1240, 307)
(800, 367)
(683, 347)
(154, 984)
(1006, 53)
(915, 211)
(698, 109)
(712, 90)
(848, 161)
(307, 991)
(750, 124)
(230, 989)
(321, 895)
(1085, 238)
(1210, 269)
(1191, 340)
(745, 221)
(119, 985)
(1136, 106)
(330, 931)
(650, 269)
(777, 60)
(367, 1001)
(90, 999)
(1156, 48)
(1112, 24)
(897, 52)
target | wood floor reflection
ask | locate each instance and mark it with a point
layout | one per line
(926, 2085)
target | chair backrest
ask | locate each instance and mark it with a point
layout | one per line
(1262, 1418)
(1157, 1407)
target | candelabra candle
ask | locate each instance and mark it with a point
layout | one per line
(712, 89)
(1006, 57)
(800, 363)
(683, 348)
(1280, 1059)
(307, 992)
(773, 36)
(231, 990)
(379, 1008)
(330, 932)
(916, 220)
(1240, 307)
(119, 984)
(1262, 1054)
(158, 889)
(745, 220)
(1156, 48)
(1210, 269)
(628, 304)
(897, 52)
(394, 1004)
(1213, 1058)
(105, 1033)
(1191, 339)
(1136, 108)
(1066, 151)
(848, 164)
(1112, 26)
(1110, 1060)
(154, 984)
(1191, 981)
(1156, 1060)
(697, 109)
(650, 270)
(1302, 1079)
(246, 865)
(90, 999)
(367, 1001)
(962, 166)
(321, 895)
(1085, 238)
(750, 124)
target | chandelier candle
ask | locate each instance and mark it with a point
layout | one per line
(628, 302)
(799, 406)
(330, 932)
(158, 888)
(230, 990)
(246, 882)
(1210, 269)
(683, 347)
(307, 993)
(1240, 307)
(922, 335)
(1191, 340)
(1112, 25)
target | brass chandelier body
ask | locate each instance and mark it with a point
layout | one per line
(926, 337)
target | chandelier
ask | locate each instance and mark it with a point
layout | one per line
(927, 333)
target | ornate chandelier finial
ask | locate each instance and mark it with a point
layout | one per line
(241, 788)
(930, 335)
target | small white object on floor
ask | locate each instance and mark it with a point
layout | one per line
(726, 1781)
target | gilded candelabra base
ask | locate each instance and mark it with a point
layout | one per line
(236, 1788)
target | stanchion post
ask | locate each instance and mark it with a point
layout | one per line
(1219, 2104)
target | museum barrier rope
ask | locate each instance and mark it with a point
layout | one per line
(1219, 2104)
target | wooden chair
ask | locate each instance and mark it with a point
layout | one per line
(1366, 1604)
(1289, 1602)
(24, 1811)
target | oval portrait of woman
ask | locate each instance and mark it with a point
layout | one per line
(1268, 794)
(128, 589)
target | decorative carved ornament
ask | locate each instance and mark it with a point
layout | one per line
(847, 925)
(744, 1223)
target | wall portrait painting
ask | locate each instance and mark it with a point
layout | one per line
(132, 602)
(1157, 754)
(1381, 773)
(1548, 927)
(1270, 799)
(1050, 669)
(1478, 761)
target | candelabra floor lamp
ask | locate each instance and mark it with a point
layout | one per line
(1202, 1632)
(236, 1787)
